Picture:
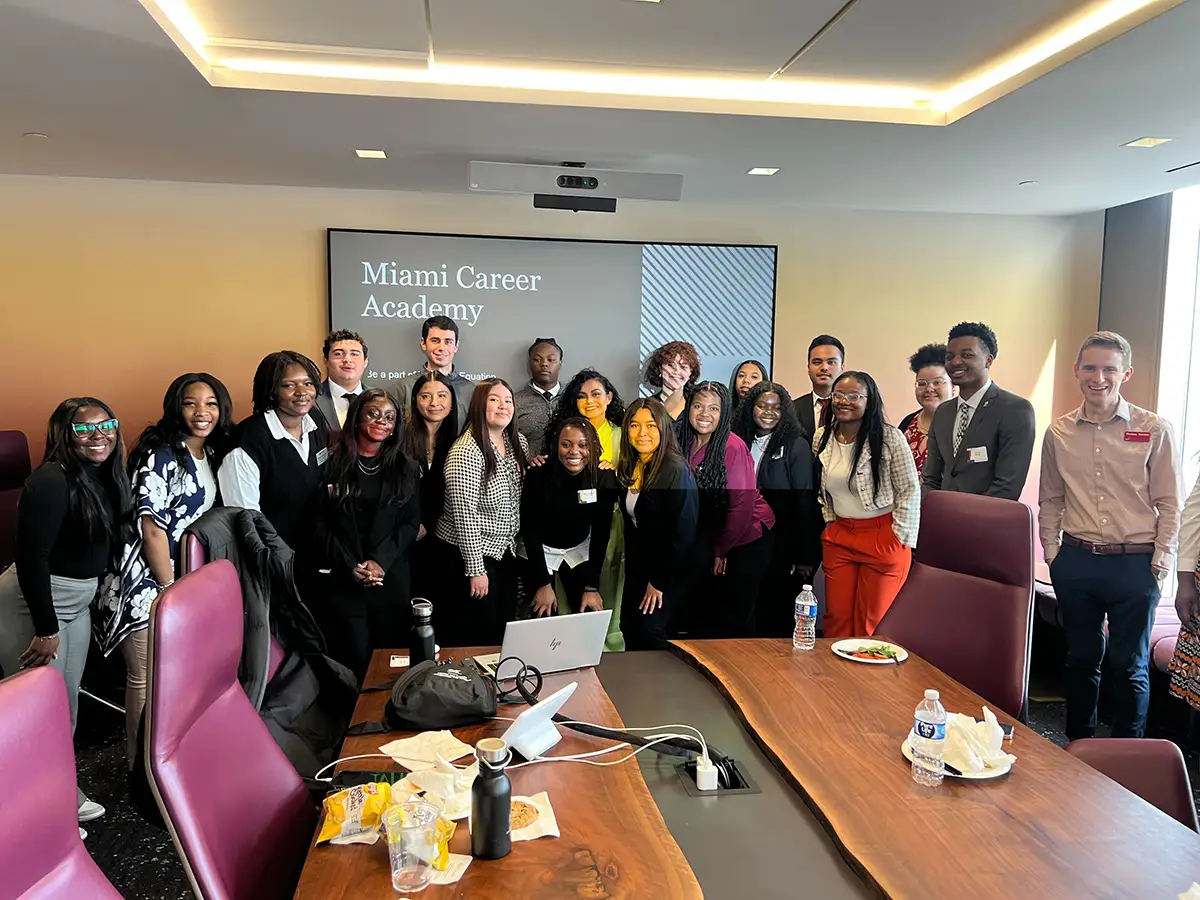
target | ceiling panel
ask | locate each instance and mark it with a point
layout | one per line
(752, 36)
(371, 24)
(928, 42)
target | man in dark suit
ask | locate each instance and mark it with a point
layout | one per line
(826, 360)
(982, 441)
(345, 361)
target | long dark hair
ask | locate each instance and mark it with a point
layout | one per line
(397, 471)
(270, 372)
(789, 428)
(668, 447)
(171, 431)
(558, 470)
(733, 393)
(711, 478)
(416, 436)
(84, 498)
(567, 408)
(478, 427)
(870, 433)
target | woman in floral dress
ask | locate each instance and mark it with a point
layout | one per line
(173, 470)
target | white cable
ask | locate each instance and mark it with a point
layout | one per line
(318, 777)
(614, 762)
(703, 745)
(571, 757)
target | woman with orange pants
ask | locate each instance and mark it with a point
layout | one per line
(871, 501)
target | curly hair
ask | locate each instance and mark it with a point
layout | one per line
(342, 334)
(929, 355)
(566, 408)
(711, 478)
(986, 336)
(782, 435)
(664, 354)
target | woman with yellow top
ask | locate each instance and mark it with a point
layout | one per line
(658, 500)
(597, 400)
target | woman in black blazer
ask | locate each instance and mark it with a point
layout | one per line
(367, 519)
(783, 461)
(657, 496)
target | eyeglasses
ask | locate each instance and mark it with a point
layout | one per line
(83, 428)
(932, 383)
(838, 395)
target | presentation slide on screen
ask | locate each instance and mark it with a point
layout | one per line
(609, 305)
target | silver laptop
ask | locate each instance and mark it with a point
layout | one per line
(551, 644)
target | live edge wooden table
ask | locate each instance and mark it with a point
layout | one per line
(837, 815)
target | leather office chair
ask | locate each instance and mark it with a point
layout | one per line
(14, 469)
(1152, 769)
(239, 815)
(41, 854)
(967, 606)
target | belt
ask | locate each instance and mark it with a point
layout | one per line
(1069, 540)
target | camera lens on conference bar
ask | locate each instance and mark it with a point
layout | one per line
(578, 182)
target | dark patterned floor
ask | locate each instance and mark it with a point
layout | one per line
(140, 860)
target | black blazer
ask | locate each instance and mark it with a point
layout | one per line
(1003, 426)
(662, 541)
(804, 412)
(786, 480)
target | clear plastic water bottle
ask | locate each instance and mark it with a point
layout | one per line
(928, 741)
(804, 635)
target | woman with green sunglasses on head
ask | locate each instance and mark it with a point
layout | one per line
(72, 519)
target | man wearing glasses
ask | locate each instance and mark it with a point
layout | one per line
(982, 442)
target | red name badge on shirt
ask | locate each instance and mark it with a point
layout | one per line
(1138, 437)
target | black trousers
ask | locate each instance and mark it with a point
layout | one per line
(653, 631)
(727, 604)
(573, 584)
(358, 620)
(460, 620)
(774, 616)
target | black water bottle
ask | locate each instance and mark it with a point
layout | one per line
(491, 802)
(421, 646)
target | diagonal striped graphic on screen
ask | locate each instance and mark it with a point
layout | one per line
(722, 299)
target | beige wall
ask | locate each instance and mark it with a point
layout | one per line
(114, 287)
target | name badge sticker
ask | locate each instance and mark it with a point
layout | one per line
(322, 455)
(977, 454)
(1138, 437)
(588, 496)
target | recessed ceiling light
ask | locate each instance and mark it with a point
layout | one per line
(35, 135)
(1147, 142)
(1026, 183)
(371, 154)
(763, 170)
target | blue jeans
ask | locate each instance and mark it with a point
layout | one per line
(1124, 589)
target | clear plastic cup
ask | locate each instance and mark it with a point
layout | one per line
(412, 844)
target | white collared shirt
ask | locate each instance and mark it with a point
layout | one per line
(972, 405)
(340, 404)
(553, 392)
(239, 476)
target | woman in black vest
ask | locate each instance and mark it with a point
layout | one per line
(278, 453)
(429, 430)
(367, 519)
(657, 495)
(783, 461)
(566, 518)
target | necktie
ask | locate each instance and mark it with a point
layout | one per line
(823, 403)
(350, 397)
(964, 412)
(549, 396)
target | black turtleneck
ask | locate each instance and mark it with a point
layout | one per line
(51, 541)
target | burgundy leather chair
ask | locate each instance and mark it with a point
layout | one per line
(14, 469)
(194, 556)
(967, 606)
(41, 854)
(239, 815)
(1152, 769)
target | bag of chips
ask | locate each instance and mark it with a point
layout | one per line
(352, 816)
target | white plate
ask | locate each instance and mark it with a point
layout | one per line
(985, 775)
(845, 648)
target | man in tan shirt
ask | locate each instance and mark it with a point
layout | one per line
(1108, 517)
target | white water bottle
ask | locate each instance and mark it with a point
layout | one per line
(804, 634)
(928, 741)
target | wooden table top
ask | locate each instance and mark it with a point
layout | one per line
(1052, 828)
(614, 844)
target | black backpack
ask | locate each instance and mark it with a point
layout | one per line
(431, 696)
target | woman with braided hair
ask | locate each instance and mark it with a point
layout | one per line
(734, 517)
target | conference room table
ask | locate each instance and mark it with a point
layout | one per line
(832, 813)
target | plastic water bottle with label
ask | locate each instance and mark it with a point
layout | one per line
(804, 635)
(928, 741)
